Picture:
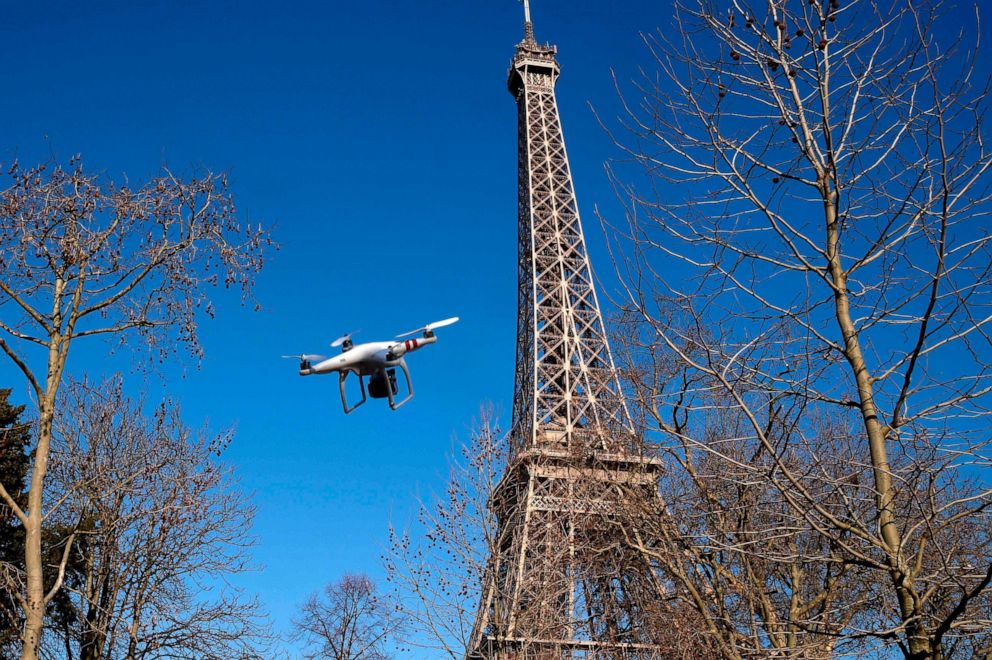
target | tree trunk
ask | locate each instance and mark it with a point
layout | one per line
(34, 613)
(919, 643)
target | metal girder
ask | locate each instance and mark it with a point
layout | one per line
(561, 583)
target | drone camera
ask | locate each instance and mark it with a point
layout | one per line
(380, 381)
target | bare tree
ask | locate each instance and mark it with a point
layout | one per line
(437, 569)
(760, 577)
(160, 526)
(807, 259)
(349, 620)
(83, 256)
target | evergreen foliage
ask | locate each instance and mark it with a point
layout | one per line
(15, 440)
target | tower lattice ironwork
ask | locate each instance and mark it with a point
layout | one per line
(563, 581)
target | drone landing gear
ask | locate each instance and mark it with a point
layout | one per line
(344, 396)
(393, 403)
(382, 385)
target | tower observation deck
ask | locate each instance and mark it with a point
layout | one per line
(564, 580)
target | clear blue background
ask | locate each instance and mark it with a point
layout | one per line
(378, 141)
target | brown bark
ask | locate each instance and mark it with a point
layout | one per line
(103, 259)
(806, 320)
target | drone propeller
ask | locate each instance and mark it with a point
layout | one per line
(429, 328)
(343, 338)
(306, 357)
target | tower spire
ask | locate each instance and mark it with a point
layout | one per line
(528, 26)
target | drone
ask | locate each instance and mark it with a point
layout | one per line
(376, 360)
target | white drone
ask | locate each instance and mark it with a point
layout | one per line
(377, 359)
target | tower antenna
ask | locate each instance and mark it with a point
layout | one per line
(528, 26)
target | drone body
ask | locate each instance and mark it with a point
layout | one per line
(377, 360)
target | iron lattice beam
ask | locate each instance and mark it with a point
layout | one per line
(562, 583)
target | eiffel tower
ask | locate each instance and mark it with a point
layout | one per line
(562, 582)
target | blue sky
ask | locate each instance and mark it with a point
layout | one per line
(378, 141)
